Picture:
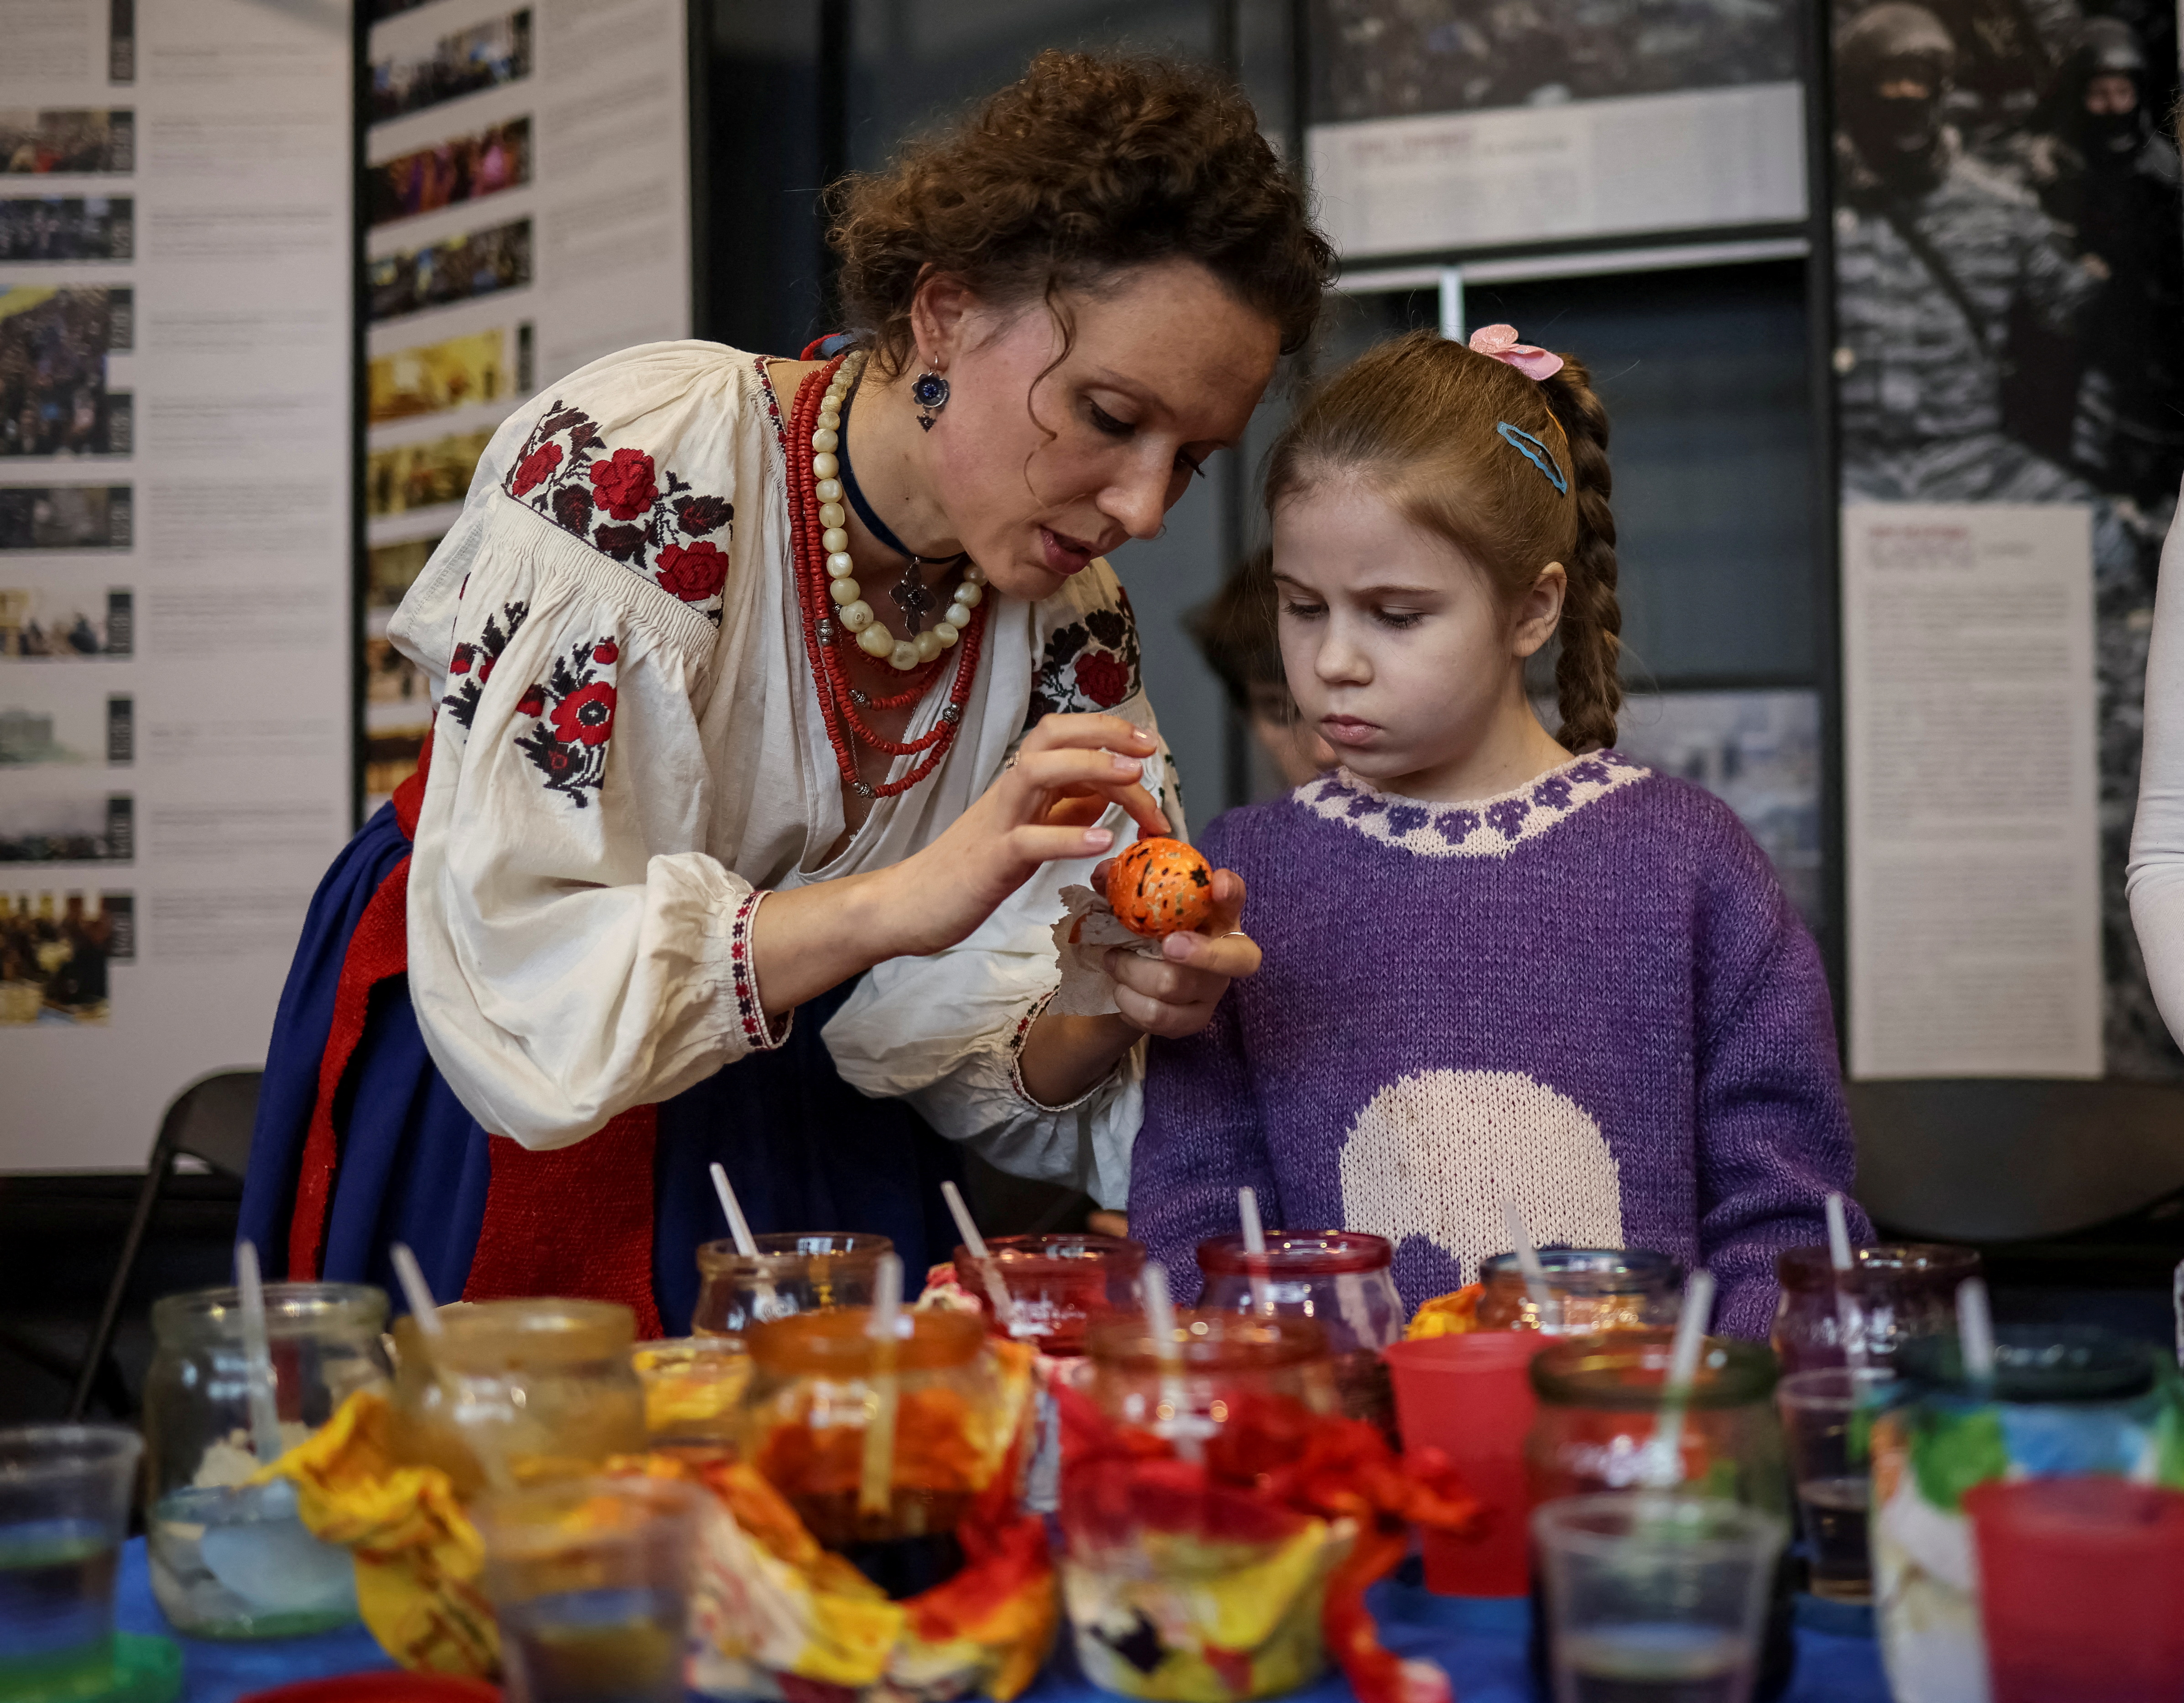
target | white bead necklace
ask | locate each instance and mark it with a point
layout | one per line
(851, 607)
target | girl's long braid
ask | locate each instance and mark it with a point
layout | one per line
(1588, 685)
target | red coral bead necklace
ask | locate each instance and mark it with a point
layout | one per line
(815, 533)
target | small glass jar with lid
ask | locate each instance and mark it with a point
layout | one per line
(1185, 1577)
(230, 1559)
(1898, 1293)
(513, 1393)
(2065, 1401)
(1058, 1285)
(936, 1407)
(1590, 1290)
(794, 1271)
(1343, 1280)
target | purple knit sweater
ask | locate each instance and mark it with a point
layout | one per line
(1588, 995)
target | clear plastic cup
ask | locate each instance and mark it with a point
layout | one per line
(590, 1582)
(1654, 1598)
(1831, 1466)
(65, 1494)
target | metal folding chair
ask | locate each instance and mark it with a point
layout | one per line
(210, 1121)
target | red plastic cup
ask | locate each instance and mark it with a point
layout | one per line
(1470, 1396)
(2080, 1584)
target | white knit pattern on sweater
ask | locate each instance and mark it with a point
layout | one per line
(1435, 1153)
(1478, 827)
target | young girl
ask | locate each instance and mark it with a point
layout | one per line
(1501, 964)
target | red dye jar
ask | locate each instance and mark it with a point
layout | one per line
(1341, 1280)
(1059, 1286)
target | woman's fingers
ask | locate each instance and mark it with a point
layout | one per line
(1070, 751)
(1093, 732)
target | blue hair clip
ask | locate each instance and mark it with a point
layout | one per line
(1535, 452)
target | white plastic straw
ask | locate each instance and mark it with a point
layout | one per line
(415, 1290)
(1160, 1320)
(738, 1225)
(258, 1358)
(989, 1269)
(1255, 1245)
(1543, 1302)
(1976, 1331)
(1847, 1313)
(875, 1484)
(1667, 1448)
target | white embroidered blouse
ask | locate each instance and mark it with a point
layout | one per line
(629, 749)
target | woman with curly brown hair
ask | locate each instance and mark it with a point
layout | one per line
(769, 684)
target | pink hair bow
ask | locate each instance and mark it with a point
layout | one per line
(1499, 343)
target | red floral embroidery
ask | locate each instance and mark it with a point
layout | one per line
(624, 483)
(625, 506)
(462, 702)
(694, 573)
(535, 468)
(586, 716)
(1089, 665)
(1102, 676)
(568, 744)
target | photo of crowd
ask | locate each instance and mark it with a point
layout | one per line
(476, 263)
(483, 56)
(70, 830)
(2009, 288)
(434, 377)
(66, 517)
(67, 227)
(464, 168)
(34, 143)
(54, 399)
(418, 476)
(54, 951)
(64, 626)
(1380, 58)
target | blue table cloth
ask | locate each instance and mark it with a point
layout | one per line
(1480, 1644)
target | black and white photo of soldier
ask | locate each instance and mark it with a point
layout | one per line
(1379, 58)
(2009, 267)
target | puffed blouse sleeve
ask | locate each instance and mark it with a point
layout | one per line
(572, 951)
(944, 1031)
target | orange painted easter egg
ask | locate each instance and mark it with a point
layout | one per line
(1161, 887)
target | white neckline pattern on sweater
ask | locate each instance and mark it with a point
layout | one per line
(1477, 827)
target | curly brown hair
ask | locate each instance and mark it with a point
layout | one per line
(1086, 165)
(1423, 417)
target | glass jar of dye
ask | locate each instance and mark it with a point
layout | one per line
(794, 1271)
(1342, 1280)
(1590, 1290)
(1899, 1292)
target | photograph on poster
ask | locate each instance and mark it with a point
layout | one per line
(418, 476)
(65, 517)
(476, 263)
(483, 56)
(53, 344)
(89, 828)
(464, 168)
(2009, 264)
(34, 143)
(390, 569)
(1759, 754)
(434, 377)
(66, 626)
(54, 950)
(1378, 59)
(81, 724)
(67, 227)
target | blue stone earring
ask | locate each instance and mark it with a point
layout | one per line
(929, 390)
